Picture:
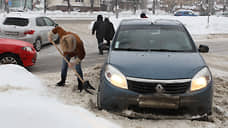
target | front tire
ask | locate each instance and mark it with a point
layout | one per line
(37, 45)
(99, 104)
(10, 59)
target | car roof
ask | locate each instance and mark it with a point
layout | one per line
(160, 22)
(24, 15)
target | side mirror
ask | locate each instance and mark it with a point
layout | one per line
(56, 25)
(203, 48)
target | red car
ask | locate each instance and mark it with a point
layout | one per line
(17, 52)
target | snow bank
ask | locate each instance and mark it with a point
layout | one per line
(24, 105)
(18, 77)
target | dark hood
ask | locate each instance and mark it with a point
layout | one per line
(157, 65)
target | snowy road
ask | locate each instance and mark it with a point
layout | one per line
(48, 69)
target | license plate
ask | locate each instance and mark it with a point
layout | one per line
(159, 102)
(11, 33)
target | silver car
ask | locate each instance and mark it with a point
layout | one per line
(27, 27)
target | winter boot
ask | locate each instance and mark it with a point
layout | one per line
(80, 88)
(61, 83)
(100, 51)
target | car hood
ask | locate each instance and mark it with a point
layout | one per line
(4, 41)
(157, 65)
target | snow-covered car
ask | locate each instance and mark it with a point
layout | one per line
(27, 27)
(17, 52)
(155, 67)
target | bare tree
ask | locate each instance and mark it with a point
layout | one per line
(32, 5)
(45, 6)
(91, 4)
(68, 6)
(6, 6)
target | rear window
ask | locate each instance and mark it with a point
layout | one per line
(16, 21)
(154, 38)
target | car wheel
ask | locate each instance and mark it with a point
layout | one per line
(99, 97)
(10, 59)
(37, 45)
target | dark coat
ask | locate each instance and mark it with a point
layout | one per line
(99, 29)
(109, 30)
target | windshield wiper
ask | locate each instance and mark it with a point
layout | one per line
(130, 49)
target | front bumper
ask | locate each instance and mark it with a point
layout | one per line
(193, 103)
(29, 58)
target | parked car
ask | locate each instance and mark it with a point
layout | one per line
(225, 14)
(17, 52)
(184, 13)
(156, 66)
(27, 27)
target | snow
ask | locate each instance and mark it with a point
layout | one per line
(25, 104)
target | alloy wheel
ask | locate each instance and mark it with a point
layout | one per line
(8, 60)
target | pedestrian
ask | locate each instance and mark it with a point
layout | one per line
(109, 31)
(99, 29)
(143, 15)
(72, 47)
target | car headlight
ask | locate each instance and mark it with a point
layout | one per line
(201, 79)
(28, 49)
(115, 77)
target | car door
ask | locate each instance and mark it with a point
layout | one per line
(50, 24)
(41, 29)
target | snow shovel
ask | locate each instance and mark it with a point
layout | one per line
(86, 85)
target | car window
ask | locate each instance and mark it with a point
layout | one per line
(16, 21)
(186, 13)
(40, 22)
(49, 22)
(155, 38)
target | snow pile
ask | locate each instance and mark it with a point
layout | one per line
(24, 105)
(17, 77)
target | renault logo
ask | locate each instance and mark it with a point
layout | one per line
(159, 88)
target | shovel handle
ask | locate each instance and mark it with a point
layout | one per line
(76, 73)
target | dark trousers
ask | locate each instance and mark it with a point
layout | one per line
(100, 42)
(65, 68)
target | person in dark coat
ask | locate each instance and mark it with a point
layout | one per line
(109, 31)
(98, 28)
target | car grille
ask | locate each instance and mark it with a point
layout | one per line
(150, 87)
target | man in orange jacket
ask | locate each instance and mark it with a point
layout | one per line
(71, 46)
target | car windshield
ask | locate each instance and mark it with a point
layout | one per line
(16, 21)
(153, 39)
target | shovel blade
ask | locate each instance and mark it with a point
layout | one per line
(86, 86)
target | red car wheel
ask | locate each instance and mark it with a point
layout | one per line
(10, 59)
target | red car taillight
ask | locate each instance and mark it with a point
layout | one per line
(30, 32)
